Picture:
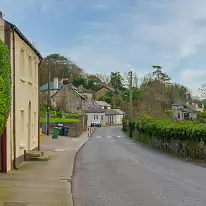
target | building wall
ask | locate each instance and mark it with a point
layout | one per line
(2, 35)
(100, 93)
(27, 104)
(67, 100)
(94, 117)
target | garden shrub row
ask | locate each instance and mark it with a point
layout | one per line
(168, 129)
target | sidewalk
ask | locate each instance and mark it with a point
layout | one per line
(43, 183)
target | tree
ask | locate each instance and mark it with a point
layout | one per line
(136, 94)
(103, 78)
(116, 80)
(135, 78)
(159, 75)
(60, 66)
(93, 82)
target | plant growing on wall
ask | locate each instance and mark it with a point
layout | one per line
(5, 85)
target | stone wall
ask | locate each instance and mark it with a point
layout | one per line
(176, 147)
(75, 129)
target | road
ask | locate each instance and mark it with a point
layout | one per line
(113, 170)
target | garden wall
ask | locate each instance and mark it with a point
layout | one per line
(75, 129)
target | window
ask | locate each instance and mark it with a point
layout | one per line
(102, 117)
(35, 73)
(94, 116)
(30, 68)
(97, 117)
(22, 121)
(22, 62)
(178, 115)
(35, 124)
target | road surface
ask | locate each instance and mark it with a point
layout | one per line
(113, 170)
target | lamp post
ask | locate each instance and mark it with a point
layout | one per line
(48, 103)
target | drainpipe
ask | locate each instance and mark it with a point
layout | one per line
(14, 99)
(39, 105)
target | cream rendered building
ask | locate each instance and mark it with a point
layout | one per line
(22, 130)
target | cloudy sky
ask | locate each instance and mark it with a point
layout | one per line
(112, 35)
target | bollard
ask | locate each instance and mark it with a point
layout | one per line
(88, 131)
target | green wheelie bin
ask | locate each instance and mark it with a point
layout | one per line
(56, 133)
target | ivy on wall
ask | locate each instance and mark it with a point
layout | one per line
(5, 85)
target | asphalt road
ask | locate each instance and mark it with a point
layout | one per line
(113, 170)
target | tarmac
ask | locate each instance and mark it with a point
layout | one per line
(43, 183)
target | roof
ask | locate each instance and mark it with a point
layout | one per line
(179, 104)
(102, 103)
(107, 87)
(92, 108)
(114, 112)
(73, 88)
(51, 85)
(24, 38)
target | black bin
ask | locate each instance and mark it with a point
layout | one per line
(66, 131)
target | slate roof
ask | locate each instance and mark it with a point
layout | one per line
(44, 87)
(107, 87)
(92, 108)
(114, 112)
(102, 104)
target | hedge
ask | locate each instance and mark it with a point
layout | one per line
(167, 129)
(5, 85)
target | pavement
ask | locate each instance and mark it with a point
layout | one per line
(42, 183)
(113, 170)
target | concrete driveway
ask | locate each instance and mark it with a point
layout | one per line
(113, 170)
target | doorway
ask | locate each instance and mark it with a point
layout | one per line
(3, 155)
(29, 126)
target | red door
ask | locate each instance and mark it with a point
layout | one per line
(3, 160)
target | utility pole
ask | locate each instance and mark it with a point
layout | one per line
(48, 102)
(130, 89)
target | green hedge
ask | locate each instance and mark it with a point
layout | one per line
(5, 85)
(167, 129)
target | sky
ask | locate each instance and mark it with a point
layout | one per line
(112, 35)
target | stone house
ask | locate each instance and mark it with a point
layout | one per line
(114, 116)
(183, 111)
(22, 130)
(68, 99)
(101, 92)
(88, 94)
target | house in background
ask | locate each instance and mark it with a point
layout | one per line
(104, 105)
(114, 116)
(101, 92)
(88, 94)
(94, 112)
(55, 86)
(22, 130)
(183, 111)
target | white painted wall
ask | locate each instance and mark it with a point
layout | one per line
(95, 116)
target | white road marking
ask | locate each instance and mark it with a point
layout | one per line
(135, 159)
(98, 137)
(129, 143)
(109, 137)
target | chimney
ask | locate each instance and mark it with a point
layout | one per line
(81, 88)
(56, 83)
(1, 15)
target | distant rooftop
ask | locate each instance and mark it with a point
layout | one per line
(92, 108)
(44, 87)
(102, 104)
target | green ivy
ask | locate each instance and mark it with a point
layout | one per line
(5, 85)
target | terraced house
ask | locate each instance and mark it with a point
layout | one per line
(22, 130)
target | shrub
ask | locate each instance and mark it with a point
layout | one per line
(5, 85)
(167, 129)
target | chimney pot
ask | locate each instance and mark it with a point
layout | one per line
(1, 15)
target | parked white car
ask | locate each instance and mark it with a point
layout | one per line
(96, 123)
